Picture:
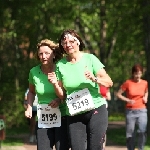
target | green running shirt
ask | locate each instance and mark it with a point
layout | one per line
(44, 89)
(73, 78)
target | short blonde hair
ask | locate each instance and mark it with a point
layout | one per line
(53, 46)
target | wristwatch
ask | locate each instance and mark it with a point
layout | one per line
(96, 79)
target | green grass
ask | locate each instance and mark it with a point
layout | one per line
(17, 130)
(14, 131)
(117, 137)
(12, 142)
(116, 117)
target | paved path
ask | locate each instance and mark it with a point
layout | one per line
(28, 146)
(33, 147)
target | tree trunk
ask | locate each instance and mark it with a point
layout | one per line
(147, 51)
(102, 54)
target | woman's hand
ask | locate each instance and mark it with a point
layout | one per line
(89, 75)
(130, 101)
(52, 78)
(145, 100)
(55, 103)
(28, 112)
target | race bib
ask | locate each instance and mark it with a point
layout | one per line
(48, 117)
(79, 101)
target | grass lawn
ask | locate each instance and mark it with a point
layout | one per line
(117, 137)
(11, 135)
(116, 117)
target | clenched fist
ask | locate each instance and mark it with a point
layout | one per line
(28, 112)
(52, 78)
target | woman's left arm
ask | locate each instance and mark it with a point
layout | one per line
(102, 78)
(145, 97)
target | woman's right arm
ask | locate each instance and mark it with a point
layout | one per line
(59, 89)
(58, 85)
(120, 96)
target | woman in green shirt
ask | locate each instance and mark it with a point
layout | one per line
(52, 125)
(78, 76)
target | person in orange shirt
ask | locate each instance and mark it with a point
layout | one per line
(136, 90)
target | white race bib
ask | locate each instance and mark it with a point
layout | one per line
(79, 101)
(48, 117)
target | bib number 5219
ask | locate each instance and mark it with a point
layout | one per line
(79, 104)
(80, 101)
